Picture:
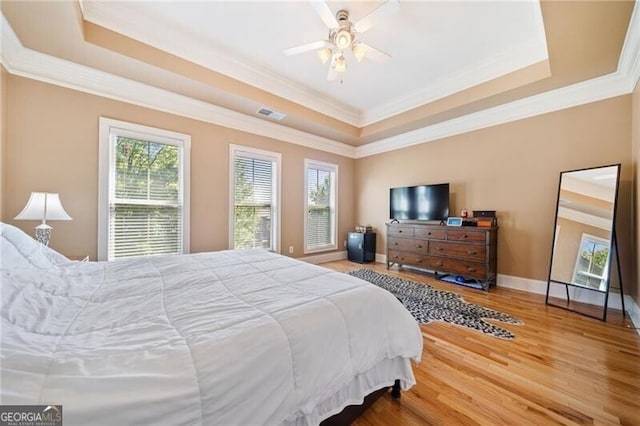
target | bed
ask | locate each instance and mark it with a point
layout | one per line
(230, 337)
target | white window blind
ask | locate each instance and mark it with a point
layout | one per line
(146, 193)
(254, 192)
(320, 201)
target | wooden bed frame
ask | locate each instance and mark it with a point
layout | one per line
(352, 412)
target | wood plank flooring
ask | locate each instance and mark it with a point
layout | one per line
(562, 367)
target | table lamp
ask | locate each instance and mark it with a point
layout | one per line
(43, 206)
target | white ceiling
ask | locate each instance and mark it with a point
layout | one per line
(437, 48)
(52, 42)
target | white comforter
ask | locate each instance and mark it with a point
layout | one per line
(231, 337)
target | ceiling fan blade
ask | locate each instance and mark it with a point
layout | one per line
(306, 47)
(376, 55)
(322, 9)
(332, 75)
(381, 13)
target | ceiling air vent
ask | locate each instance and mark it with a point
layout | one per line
(271, 114)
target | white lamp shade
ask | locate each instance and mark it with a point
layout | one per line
(359, 51)
(340, 64)
(43, 206)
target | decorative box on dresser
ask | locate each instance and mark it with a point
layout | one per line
(460, 250)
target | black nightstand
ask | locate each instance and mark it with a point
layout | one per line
(361, 247)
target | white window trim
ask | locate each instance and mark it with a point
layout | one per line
(259, 154)
(332, 168)
(605, 272)
(106, 172)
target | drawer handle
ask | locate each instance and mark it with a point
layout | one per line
(418, 246)
(472, 252)
(464, 235)
(418, 260)
(439, 248)
(428, 233)
(399, 231)
(439, 264)
(395, 243)
(471, 269)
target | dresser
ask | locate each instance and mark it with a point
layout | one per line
(468, 251)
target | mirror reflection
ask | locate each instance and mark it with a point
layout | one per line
(584, 224)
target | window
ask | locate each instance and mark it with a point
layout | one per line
(143, 191)
(592, 262)
(255, 195)
(320, 206)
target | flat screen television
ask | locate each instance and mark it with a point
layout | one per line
(422, 202)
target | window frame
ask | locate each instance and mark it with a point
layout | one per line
(259, 154)
(109, 130)
(333, 169)
(605, 272)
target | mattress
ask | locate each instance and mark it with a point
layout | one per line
(229, 337)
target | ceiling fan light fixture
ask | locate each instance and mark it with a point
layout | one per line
(359, 51)
(340, 65)
(344, 35)
(324, 54)
(343, 39)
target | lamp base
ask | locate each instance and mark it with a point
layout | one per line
(43, 233)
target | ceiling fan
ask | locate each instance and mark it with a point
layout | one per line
(343, 36)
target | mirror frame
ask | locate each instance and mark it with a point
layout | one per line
(613, 246)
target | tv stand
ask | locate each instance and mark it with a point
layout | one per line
(468, 251)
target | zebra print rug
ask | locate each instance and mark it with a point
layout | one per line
(427, 304)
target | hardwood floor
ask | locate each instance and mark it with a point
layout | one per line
(562, 367)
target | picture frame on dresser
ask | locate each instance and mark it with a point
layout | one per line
(454, 221)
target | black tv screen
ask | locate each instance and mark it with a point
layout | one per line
(422, 202)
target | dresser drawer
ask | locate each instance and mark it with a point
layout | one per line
(406, 258)
(463, 251)
(466, 235)
(407, 244)
(430, 233)
(400, 231)
(462, 267)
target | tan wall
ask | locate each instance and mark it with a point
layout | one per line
(52, 146)
(635, 292)
(512, 168)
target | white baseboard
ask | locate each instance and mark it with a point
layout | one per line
(325, 257)
(634, 312)
(558, 290)
(577, 294)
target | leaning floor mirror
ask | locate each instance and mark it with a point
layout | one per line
(584, 241)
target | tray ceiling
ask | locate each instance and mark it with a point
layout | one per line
(449, 59)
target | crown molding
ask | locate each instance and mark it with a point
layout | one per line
(142, 27)
(593, 90)
(31, 64)
(629, 63)
(38, 66)
(586, 218)
(621, 82)
(489, 69)
(497, 66)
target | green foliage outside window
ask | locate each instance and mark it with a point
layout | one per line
(146, 216)
(253, 195)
